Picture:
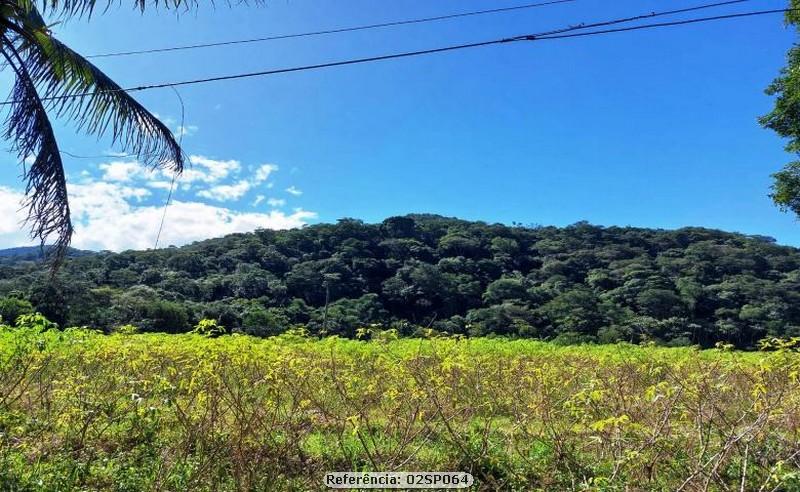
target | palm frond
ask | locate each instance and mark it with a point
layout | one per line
(28, 127)
(71, 8)
(74, 88)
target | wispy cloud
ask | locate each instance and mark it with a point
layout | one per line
(293, 191)
(186, 131)
(113, 153)
(223, 193)
(276, 202)
(263, 172)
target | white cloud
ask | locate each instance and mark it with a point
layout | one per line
(114, 153)
(167, 120)
(191, 175)
(106, 216)
(96, 199)
(126, 227)
(235, 191)
(138, 193)
(186, 131)
(110, 211)
(223, 193)
(215, 170)
(122, 171)
(160, 185)
(263, 172)
(12, 216)
(203, 170)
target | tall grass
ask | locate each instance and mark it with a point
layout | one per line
(84, 411)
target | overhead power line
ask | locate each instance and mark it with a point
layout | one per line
(659, 24)
(96, 156)
(362, 28)
(550, 35)
(337, 30)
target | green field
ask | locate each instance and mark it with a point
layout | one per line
(85, 411)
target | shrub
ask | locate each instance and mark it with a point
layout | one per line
(12, 308)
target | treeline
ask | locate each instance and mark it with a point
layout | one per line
(573, 284)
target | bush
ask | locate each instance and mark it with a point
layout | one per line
(12, 308)
(265, 322)
(573, 338)
(209, 328)
(165, 316)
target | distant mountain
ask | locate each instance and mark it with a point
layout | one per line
(34, 253)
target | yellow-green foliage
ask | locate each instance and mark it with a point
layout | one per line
(130, 412)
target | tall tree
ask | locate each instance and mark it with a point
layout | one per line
(51, 79)
(784, 119)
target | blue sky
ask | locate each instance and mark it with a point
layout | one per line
(654, 128)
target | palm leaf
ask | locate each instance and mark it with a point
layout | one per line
(71, 8)
(74, 88)
(50, 76)
(28, 127)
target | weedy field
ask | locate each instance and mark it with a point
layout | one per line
(84, 411)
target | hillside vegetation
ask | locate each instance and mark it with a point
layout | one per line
(84, 411)
(35, 253)
(572, 284)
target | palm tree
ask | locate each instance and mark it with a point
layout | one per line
(50, 78)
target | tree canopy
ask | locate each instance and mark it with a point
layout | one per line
(784, 119)
(578, 283)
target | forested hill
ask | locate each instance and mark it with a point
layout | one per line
(34, 253)
(576, 283)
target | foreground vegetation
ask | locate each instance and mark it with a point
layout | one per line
(129, 412)
(577, 283)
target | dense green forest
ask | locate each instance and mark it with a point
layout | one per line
(418, 272)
